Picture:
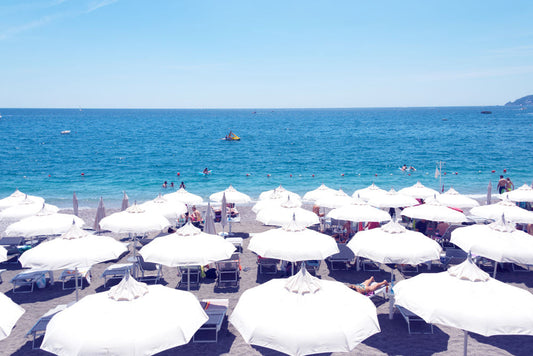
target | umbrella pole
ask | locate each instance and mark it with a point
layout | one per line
(465, 342)
(76, 281)
(495, 268)
(188, 278)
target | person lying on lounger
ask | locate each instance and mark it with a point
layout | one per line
(368, 286)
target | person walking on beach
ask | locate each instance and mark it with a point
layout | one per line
(502, 184)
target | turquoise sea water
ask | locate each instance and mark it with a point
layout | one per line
(137, 150)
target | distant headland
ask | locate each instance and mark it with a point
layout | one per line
(525, 101)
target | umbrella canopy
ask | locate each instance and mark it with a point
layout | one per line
(522, 194)
(465, 297)
(232, 196)
(453, 199)
(432, 210)
(76, 248)
(278, 193)
(369, 192)
(209, 227)
(125, 202)
(100, 214)
(17, 197)
(359, 211)
(131, 319)
(187, 247)
(134, 220)
(392, 243)
(75, 204)
(499, 241)
(10, 313)
(27, 207)
(304, 315)
(293, 243)
(162, 206)
(272, 203)
(3, 254)
(392, 199)
(184, 196)
(318, 193)
(418, 191)
(45, 222)
(336, 200)
(509, 209)
(285, 213)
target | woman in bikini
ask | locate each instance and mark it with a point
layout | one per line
(367, 287)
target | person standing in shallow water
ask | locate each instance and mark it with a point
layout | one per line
(509, 185)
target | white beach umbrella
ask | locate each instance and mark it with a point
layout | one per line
(27, 207)
(418, 191)
(318, 193)
(125, 202)
(17, 197)
(3, 254)
(188, 246)
(452, 198)
(278, 193)
(293, 243)
(509, 209)
(336, 200)
(392, 199)
(359, 211)
(369, 192)
(162, 206)
(392, 243)
(209, 226)
(10, 312)
(432, 210)
(304, 315)
(134, 220)
(285, 213)
(522, 194)
(270, 203)
(465, 297)
(75, 204)
(498, 241)
(131, 319)
(76, 248)
(184, 196)
(232, 196)
(45, 222)
(100, 214)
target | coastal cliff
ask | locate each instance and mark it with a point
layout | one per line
(525, 101)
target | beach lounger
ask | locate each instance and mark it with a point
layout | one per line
(117, 271)
(29, 278)
(452, 256)
(69, 275)
(368, 265)
(148, 271)
(236, 241)
(1, 271)
(341, 260)
(411, 317)
(39, 328)
(227, 274)
(312, 266)
(194, 272)
(267, 265)
(216, 310)
(11, 244)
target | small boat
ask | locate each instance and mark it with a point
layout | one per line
(66, 132)
(486, 112)
(232, 137)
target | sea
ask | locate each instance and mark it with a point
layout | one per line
(111, 151)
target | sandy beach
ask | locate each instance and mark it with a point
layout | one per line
(392, 340)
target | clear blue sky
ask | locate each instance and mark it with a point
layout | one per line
(264, 54)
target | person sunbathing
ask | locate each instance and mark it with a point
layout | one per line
(368, 286)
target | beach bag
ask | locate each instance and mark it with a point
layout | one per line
(41, 282)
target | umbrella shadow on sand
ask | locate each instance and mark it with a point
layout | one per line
(51, 291)
(269, 352)
(394, 339)
(519, 345)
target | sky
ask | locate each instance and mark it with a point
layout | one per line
(264, 54)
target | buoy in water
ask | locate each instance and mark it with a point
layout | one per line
(178, 174)
(82, 174)
(493, 171)
(505, 171)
